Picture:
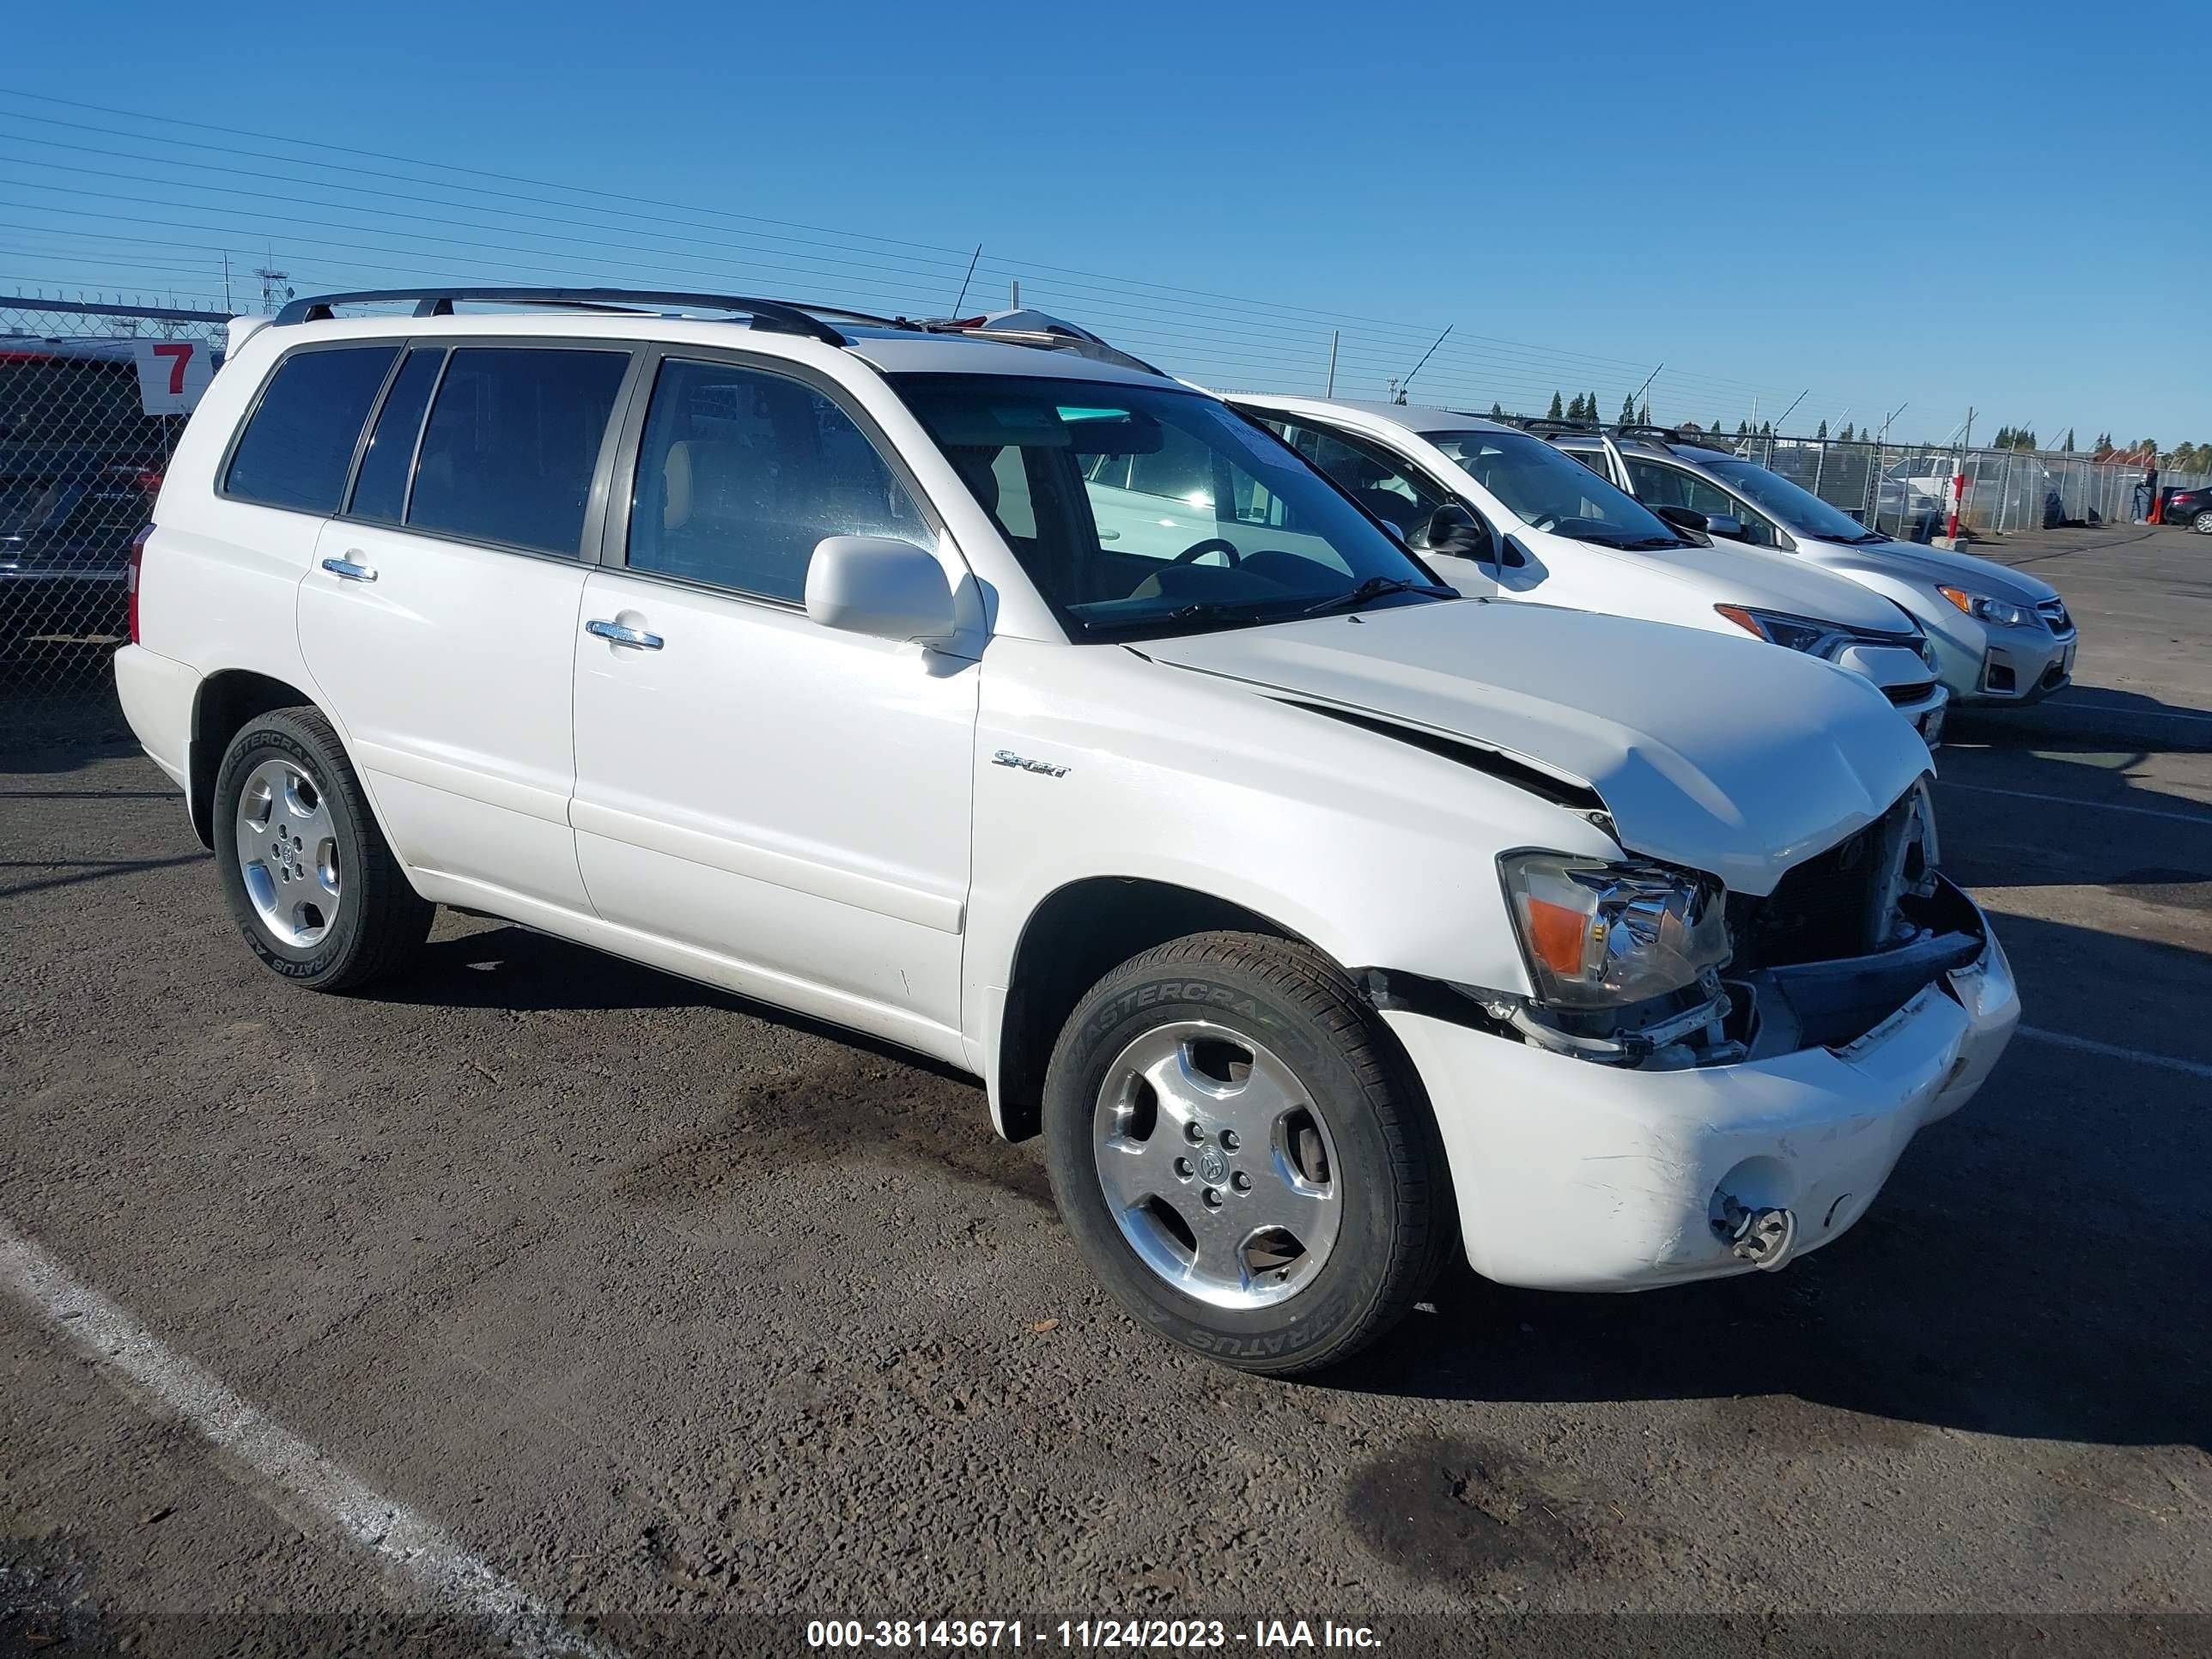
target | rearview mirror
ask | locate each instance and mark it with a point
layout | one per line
(872, 585)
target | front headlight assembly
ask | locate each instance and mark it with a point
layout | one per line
(1805, 633)
(1599, 936)
(1982, 608)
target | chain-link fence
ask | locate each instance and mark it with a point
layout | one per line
(1905, 488)
(92, 402)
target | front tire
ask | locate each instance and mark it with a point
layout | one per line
(1244, 1157)
(310, 880)
(2202, 523)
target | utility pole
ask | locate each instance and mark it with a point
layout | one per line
(1017, 303)
(1332, 335)
(226, 305)
(272, 280)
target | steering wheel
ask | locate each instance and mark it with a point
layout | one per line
(1198, 551)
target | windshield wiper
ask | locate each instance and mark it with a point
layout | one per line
(1377, 587)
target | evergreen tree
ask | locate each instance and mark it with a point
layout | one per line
(1847, 434)
(1823, 432)
(1589, 406)
(1766, 429)
(2069, 441)
(1628, 409)
(1644, 415)
(1555, 406)
(1742, 429)
(1497, 412)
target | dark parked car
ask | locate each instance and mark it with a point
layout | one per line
(2190, 506)
(79, 464)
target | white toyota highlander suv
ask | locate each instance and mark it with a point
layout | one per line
(1320, 919)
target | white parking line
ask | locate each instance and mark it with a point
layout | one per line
(457, 1582)
(2114, 1051)
(2076, 800)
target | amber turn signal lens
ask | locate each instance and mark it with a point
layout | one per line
(1558, 935)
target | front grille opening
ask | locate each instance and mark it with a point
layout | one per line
(1901, 695)
(1830, 907)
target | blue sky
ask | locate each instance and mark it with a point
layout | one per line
(1943, 205)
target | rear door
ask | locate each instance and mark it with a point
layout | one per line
(440, 617)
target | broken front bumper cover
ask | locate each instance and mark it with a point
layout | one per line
(1583, 1177)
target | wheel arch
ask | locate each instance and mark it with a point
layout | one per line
(226, 701)
(1074, 936)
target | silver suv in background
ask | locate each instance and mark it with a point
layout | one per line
(2000, 635)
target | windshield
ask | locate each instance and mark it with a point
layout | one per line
(1138, 510)
(1548, 490)
(1795, 505)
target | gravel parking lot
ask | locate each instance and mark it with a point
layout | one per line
(683, 1323)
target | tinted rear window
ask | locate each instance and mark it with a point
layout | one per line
(298, 446)
(380, 491)
(512, 443)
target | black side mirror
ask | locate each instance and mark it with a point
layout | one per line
(1716, 524)
(1452, 529)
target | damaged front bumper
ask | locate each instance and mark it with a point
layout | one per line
(1572, 1175)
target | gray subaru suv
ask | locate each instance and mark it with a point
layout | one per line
(2002, 636)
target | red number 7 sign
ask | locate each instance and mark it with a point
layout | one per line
(179, 354)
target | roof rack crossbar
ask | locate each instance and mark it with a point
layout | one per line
(777, 316)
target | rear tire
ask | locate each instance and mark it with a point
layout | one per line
(2202, 523)
(1243, 1156)
(310, 880)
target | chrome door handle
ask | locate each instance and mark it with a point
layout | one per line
(615, 634)
(351, 571)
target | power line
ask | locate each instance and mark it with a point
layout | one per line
(1028, 270)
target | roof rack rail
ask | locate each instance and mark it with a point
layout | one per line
(1553, 423)
(776, 316)
(1657, 434)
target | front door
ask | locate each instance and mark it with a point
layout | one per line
(785, 805)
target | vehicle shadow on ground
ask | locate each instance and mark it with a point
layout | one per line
(503, 966)
(2086, 714)
(1996, 815)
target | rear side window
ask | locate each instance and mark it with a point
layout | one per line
(512, 443)
(380, 490)
(298, 446)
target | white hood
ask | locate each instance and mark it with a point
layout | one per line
(1726, 756)
(1730, 574)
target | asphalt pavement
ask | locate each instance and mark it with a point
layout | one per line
(542, 1300)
